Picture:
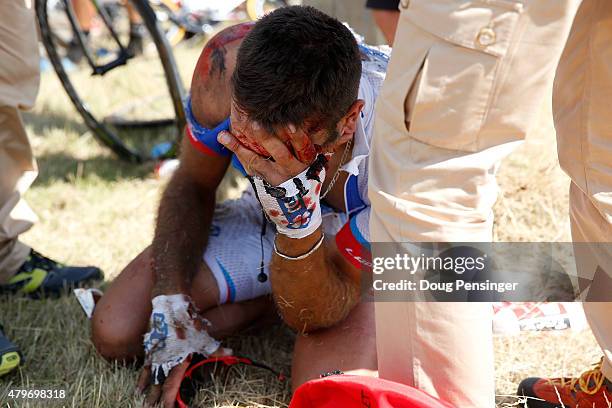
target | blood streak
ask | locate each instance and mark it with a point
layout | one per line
(214, 49)
(180, 332)
(308, 152)
(274, 213)
(251, 144)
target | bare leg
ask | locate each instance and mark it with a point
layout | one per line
(350, 347)
(121, 316)
(132, 13)
(85, 11)
(386, 20)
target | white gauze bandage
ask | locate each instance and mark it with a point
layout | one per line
(294, 206)
(176, 331)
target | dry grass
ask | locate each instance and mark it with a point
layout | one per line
(95, 209)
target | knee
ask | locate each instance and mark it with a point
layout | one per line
(113, 340)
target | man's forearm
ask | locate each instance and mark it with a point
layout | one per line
(315, 292)
(183, 222)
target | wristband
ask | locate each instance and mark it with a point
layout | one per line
(176, 331)
(294, 206)
(303, 256)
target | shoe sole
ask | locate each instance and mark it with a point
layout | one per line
(9, 362)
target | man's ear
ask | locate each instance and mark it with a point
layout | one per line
(348, 124)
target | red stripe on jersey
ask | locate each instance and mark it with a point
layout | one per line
(201, 147)
(358, 255)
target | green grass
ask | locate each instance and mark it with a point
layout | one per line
(94, 209)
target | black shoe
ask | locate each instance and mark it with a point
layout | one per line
(41, 275)
(10, 355)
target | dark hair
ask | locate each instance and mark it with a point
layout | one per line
(297, 64)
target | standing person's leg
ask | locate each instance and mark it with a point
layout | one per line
(386, 15)
(19, 79)
(18, 88)
(464, 86)
(21, 269)
(593, 235)
(582, 94)
(85, 12)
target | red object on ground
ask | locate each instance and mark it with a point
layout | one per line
(352, 391)
(188, 388)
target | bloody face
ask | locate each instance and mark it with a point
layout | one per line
(243, 130)
(250, 144)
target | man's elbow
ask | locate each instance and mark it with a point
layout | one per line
(322, 314)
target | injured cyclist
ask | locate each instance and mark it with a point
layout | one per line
(289, 101)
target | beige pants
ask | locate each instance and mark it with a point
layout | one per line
(19, 79)
(465, 84)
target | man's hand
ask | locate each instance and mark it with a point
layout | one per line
(286, 164)
(288, 190)
(176, 332)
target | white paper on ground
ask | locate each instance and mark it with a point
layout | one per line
(515, 317)
(87, 299)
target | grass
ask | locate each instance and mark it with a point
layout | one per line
(94, 209)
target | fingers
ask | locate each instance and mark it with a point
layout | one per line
(153, 396)
(228, 140)
(303, 147)
(278, 145)
(280, 153)
(253, 163)
(173, 383)
(143, 379)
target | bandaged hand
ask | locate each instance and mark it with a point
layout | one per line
(294, 206)
(176, 330)
(287, 187)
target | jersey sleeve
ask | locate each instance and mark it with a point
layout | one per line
(204, 139)
(353, 239)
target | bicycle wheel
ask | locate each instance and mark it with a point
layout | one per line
(258, 8)
(130, 98)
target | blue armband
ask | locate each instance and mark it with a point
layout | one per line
(205, 139)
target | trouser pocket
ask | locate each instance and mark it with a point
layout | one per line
(451, 94)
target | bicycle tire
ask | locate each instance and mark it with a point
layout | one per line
(98, 128)
(177, 90)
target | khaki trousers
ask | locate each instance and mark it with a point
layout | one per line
(465, 84)
(19, 80)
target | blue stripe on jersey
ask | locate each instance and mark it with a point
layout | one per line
(357, 234)
(230, 282)
(208, 137)
(351, 192)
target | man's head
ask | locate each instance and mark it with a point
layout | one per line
(300, 68)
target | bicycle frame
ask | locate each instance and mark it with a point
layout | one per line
(123, 55)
